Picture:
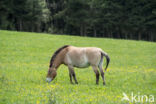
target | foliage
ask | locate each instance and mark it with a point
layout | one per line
(24, 61)
(27, 15)
(124, 19)
(127, 19)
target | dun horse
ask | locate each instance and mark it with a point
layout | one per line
(77, 57)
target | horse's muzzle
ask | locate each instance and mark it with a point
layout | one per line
(48, 79)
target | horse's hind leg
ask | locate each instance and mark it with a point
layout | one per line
(102, 74)
(72, 73)
(95, 68)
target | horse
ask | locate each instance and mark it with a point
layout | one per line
(80, 57)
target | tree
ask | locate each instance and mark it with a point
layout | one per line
(125, 19)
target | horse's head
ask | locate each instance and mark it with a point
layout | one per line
(51, 74)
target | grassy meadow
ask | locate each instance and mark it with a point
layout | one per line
(24, 61)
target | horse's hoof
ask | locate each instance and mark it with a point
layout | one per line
(104, 83)
(97, 83)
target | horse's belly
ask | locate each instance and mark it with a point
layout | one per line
(80, 62)
(82, 65)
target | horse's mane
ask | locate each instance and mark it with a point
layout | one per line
(55, 54)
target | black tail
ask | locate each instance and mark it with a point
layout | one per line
(107, 58)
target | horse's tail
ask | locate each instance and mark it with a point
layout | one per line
(107, 58)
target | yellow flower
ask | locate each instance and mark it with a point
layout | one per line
(108, 69)
(37, 102)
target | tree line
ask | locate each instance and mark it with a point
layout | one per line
(123, 19)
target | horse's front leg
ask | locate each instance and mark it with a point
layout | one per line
(72, 74)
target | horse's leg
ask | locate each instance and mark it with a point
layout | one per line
(95, 68)
(102, 74)
(72, 73)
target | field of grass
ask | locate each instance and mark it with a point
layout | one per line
(24, 61)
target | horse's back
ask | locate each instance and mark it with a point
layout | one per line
(83, 56)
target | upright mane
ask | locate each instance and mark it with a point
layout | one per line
(55, 54)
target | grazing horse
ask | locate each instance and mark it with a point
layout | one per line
(80, 57)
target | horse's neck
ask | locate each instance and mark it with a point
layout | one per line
(57, 63)
(59, 58)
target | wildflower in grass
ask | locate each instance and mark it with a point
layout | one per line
(118, 96)
(37, 102)
(90, 99)
(64, 99)
(108, 69)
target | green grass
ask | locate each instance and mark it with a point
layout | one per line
(24, 61)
